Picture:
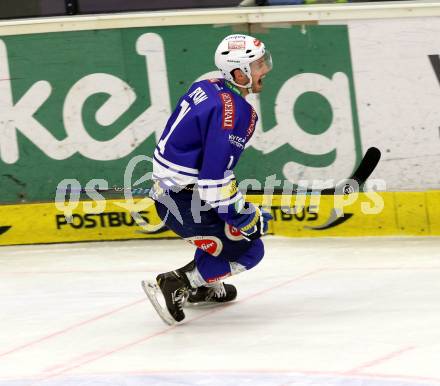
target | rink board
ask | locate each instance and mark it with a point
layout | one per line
(390, 213)
(82, 97)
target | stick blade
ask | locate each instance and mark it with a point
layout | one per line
(363, 171)
(367, 165)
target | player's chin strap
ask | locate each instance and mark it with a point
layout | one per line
(247, 86)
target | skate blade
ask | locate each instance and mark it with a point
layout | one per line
(203, 305)
(152, 291)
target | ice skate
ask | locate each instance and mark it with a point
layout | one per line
(173, 288)
(217, 292)
(157, 300)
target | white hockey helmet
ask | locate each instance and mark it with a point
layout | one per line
(239, 51)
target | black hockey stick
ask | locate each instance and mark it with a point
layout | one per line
(367, 165)
(361, 174)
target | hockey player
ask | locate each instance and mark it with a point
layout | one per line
(195, 190)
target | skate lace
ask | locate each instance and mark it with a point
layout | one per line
(179, 297)
(216, 290)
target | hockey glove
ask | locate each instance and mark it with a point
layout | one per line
(258, 226)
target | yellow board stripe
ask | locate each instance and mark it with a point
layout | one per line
(403, 214)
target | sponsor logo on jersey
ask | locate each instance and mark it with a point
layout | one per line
(237, 45)
(233, 233)
(221, 277)
(209, 244)
(250, 130)
(228, 110)
(237, 141)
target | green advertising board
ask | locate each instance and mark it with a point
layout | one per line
(80, 105)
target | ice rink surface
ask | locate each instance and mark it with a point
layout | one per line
(315, 312)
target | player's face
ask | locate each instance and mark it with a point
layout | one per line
(259, 69)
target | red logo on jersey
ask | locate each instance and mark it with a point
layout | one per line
(210, 244)
(250, 130)
(228, 110)
(233, 233)
(221, 277)
(257, 43)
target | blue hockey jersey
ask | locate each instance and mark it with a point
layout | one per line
(202, 142)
